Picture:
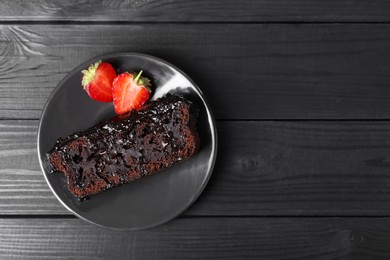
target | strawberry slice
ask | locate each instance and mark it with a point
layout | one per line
(97, 81)
(130, 91)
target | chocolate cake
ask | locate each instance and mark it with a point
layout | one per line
(125, 149)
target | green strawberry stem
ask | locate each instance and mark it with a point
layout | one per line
(137, 77)
(89, 73)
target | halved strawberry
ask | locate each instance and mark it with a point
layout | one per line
(130, 91)
(97, 81)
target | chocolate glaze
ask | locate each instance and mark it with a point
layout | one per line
(128, 147)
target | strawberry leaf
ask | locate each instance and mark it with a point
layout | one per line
(142, 81)
(89, 73)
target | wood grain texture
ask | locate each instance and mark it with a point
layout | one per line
(198, 11)
(204, 238)
(300, 168)
(246, 71)
(263, 168)
(22, 186)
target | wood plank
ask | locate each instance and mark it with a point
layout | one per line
(266, 71)
(199, 11)
(22, 186)
(263, 168)
(204, 238)
(300, 168)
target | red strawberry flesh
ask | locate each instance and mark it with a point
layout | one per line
(97, 81)
(130, 91)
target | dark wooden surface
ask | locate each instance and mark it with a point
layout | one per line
(301, 93)
(201, 238)
(247, 71)
(198, 11)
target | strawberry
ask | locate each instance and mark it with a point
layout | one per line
(97, 81)
(130, 91)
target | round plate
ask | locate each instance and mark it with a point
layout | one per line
(152, 200)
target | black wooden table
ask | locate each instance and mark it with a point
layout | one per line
(301, 93)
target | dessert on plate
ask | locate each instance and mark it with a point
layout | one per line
(128, 147)
(144, 139)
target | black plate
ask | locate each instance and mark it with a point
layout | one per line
(152, 200)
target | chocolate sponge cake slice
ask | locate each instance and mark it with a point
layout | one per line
(125, 149)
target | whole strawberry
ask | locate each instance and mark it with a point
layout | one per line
(130, 91)
(97, 81)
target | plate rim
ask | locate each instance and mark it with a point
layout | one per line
(211, 118)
